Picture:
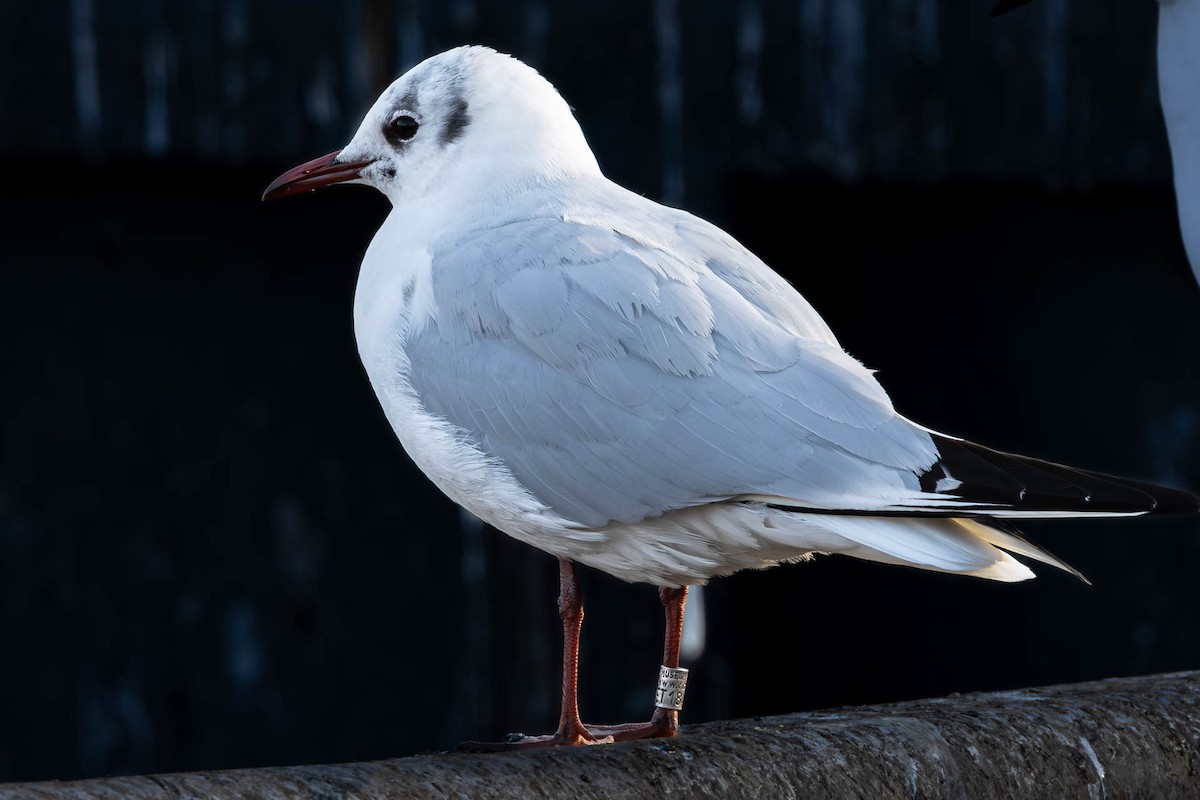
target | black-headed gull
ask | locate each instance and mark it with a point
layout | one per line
(623, 385)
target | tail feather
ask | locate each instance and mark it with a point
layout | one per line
(940, 544)
(959, 545)
(1008, 538)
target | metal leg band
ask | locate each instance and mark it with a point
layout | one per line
(672, 681)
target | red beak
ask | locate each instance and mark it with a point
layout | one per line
(323, 171)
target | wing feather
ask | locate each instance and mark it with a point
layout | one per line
(622, 377)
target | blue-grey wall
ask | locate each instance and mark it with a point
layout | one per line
(672, 95)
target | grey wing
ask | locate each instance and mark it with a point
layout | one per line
(620, 377)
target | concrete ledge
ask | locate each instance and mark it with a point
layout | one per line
(1127, 737)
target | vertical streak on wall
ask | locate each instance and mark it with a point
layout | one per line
(536, 31)
(935, 129)
(1054, 79)
(377, 55)
(668, 38)
(750, 46)
(893, 134)
(473, 702)
(847, 79)
(465, 15)
(320, 97)
(926, 25)
(156, 121)
(410, 36)
(84, 57)
(201, 92)
(235, 28)
(810, 19)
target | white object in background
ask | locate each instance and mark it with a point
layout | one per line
(1179, 89)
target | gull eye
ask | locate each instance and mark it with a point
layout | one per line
(400, 128)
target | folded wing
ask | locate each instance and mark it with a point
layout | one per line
(622, 375)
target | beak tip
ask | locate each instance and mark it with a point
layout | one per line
(323, 171)
(280, 187)
(274, 191)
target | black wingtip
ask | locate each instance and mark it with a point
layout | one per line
(1005, 6)
(985, 476)
(1173, 501)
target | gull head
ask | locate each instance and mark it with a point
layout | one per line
(467, 119)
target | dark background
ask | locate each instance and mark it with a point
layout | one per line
(213, 553)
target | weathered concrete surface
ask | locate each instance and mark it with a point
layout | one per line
(1128, 737)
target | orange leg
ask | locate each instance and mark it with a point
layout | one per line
(664, 722)
(571, 731)
(570, 611)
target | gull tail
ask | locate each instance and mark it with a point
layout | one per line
(962, 520)
(958, 545)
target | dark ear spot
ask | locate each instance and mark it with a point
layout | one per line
(456, 121)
